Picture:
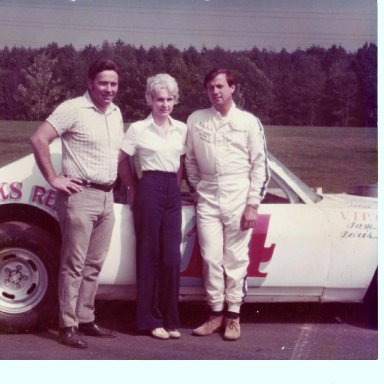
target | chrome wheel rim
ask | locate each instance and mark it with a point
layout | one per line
(23, 280)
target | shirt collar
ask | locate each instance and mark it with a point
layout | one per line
(88, 103)
(149, 121)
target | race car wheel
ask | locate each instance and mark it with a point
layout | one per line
(28, 276)
(371, 302)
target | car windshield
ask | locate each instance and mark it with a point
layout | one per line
(302, 188)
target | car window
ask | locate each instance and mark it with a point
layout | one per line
(301, 189)
(275, 194)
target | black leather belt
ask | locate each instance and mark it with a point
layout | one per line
(162, 173)
(100, 187)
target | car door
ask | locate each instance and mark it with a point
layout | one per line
(291, 246)
(290, 253)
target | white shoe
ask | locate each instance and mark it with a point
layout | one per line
(160, 333)
(174, 333)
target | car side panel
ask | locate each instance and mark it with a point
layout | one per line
(120, 266)
(298, 251)
(354, 252)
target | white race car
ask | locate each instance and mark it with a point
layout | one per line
(306, 246)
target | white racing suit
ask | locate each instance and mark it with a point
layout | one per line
(226, 163)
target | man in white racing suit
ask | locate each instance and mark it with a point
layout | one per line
(226, 163)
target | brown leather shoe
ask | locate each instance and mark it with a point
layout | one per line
(232, 329)
(213, 324)
(93, 329)
(70, 336)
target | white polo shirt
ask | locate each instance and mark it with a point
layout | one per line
(90, 139)
(157, 149)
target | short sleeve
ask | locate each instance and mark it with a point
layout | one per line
(63, 117)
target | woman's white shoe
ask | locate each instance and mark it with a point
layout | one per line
(160, 333)
(174, 333)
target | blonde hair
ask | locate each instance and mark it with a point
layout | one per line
(158, 82)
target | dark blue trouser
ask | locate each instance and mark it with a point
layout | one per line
(157, 214)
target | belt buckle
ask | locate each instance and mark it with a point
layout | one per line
(87, 183)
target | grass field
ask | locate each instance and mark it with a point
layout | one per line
(334, 158)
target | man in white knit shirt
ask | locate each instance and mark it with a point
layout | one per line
(91, 129)
(226, 163)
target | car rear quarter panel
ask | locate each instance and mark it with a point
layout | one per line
(354, 252)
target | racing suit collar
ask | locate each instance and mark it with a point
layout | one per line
(219, 115)
(232, 117)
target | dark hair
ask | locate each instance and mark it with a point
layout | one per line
(218, 71)
(100, 66)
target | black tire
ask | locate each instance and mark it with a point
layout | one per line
(371, 302)
(29, 258)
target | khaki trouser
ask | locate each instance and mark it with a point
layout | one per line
(86, 221)
(224, 246)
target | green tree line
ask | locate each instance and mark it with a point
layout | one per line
(315, 87)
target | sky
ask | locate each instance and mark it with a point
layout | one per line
(231, 24)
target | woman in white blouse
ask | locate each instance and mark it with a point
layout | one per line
(159, 143)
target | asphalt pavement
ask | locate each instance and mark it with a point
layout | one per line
(269, 332)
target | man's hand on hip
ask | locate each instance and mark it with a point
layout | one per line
(66, 184)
